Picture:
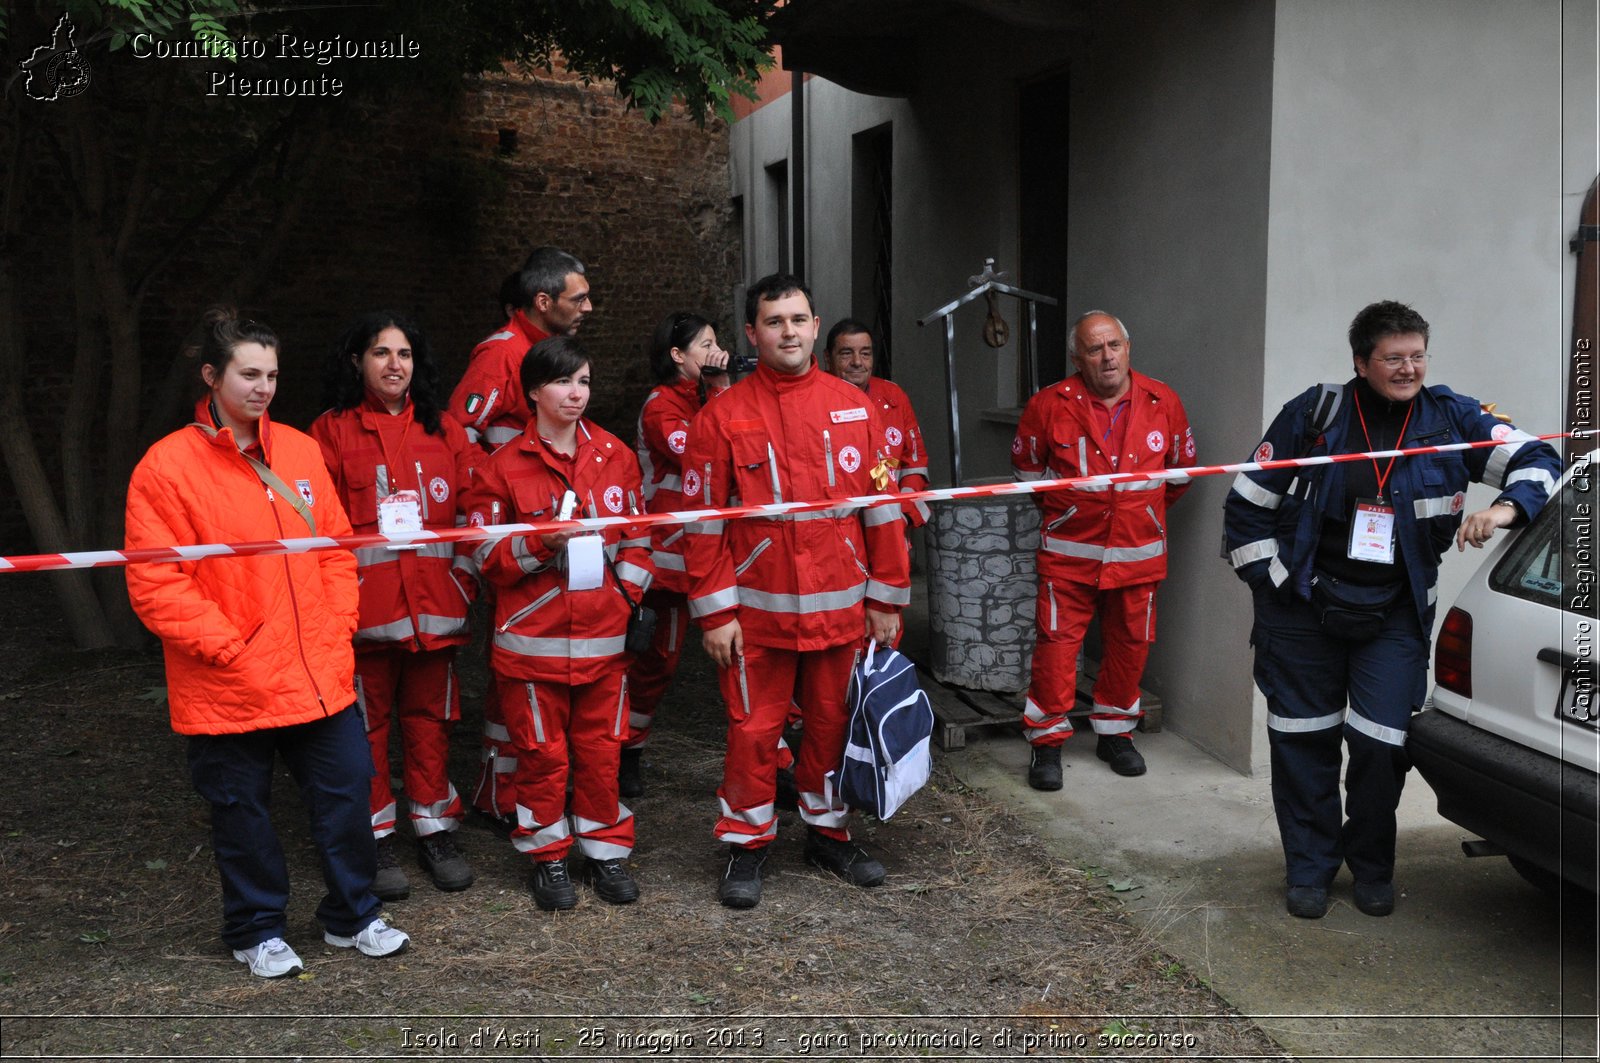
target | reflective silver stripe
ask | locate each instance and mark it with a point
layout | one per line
(1113, 710)
(639, 543)
(705, 605)
(639, 577)
(761, 548)
(1176, 478)
(541, 836)
(538, 603)
(1494, 471)
(383, 820)
(1254, 493)
(821, 602)
(400, 630)
(772, 467)
(538, 718)
(1315, 723)
(677, 533)
(1108, 555)
(1438, 506)
(504, 765)
(672, 482)
(1083, 456)
(704, 527)
(744, 686)
(377, 555)
(472, 435)
(831, 513)
(1084, 487)
(1538, 476)
(595, 849)
(882, 592)
(1389, 736)
(1144, 485)
(577, 649)
(506, 335)
(877, 516)
(1050, 592)
(496, 732)
(759, 816)
(1034, 716)
(1259, 550)
(827, 454)
(501, 434)
(1155, 519)
(816, 810)
(524, 557)
(667, 562)
(1027, 475)
(431, 819)
(1277, 572)
(914, 470)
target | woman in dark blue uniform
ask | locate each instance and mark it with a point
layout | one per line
(1343, 562)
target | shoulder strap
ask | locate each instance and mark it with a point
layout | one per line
(272, 480)
(1325, 405)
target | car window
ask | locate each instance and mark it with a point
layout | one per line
(1558, 547)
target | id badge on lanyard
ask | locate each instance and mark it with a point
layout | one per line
(399, 513)
(1372, 531)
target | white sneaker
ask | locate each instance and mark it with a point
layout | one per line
(273, 958)
(378, 939)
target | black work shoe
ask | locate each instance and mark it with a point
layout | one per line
(786, 793)
(846, 859)
(741, 880)
(444, 861)
(630, 781)
(390, 883)
(1118, 751)
(552, 887)
(1375, 898)
(1044, 770)
(1307, 902)
(611, 881)
(501, 825)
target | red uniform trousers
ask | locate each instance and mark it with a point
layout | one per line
(417, 690)
(651, 672)
(552, 726)
(1127, 627)
(492, 793)
(760, 691)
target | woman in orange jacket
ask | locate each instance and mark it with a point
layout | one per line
(561, 616)
(399, 466)
(683, 353)
(258, 648)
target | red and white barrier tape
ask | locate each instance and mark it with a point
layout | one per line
(311, 544)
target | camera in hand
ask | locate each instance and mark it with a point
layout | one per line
(738, 363)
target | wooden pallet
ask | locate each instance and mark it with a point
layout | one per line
(961, 708)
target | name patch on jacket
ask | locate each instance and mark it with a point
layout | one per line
(846, 416)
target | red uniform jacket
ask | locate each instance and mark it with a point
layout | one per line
(793, 581)
(1107, 535)
(542, 630)
(489, 402)
(905, 441)
(409, 596)
(663, 437)
(251, 642)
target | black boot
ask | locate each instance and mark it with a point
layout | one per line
(1044, 770)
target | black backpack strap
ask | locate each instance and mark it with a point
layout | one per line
(1325, 407)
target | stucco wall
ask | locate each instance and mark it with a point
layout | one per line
(1167, 229)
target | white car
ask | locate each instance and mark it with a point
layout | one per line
(1510, 739)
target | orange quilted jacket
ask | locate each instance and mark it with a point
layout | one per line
(250, 642)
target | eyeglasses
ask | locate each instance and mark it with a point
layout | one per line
(1395, 361)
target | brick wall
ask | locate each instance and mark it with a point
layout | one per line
(422, 212)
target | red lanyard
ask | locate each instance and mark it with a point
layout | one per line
(1384, 475)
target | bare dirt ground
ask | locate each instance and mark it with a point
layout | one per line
(980, 944)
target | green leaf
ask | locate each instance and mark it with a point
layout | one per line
(157, 695)
(156, 865)
(95, 937)
(1122, 885)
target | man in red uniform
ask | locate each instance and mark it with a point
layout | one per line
(850, 357)
(555, 300)
(1103, 547)
(785, 601)
(552, 300)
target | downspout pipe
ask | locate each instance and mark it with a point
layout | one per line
(797, 175)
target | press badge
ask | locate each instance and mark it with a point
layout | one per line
(400, 513)
(1372, 531)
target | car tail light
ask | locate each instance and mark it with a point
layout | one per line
(1452, 658)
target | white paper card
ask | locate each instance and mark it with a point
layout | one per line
(400, 513)
(586, 562)
(1372, 533)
